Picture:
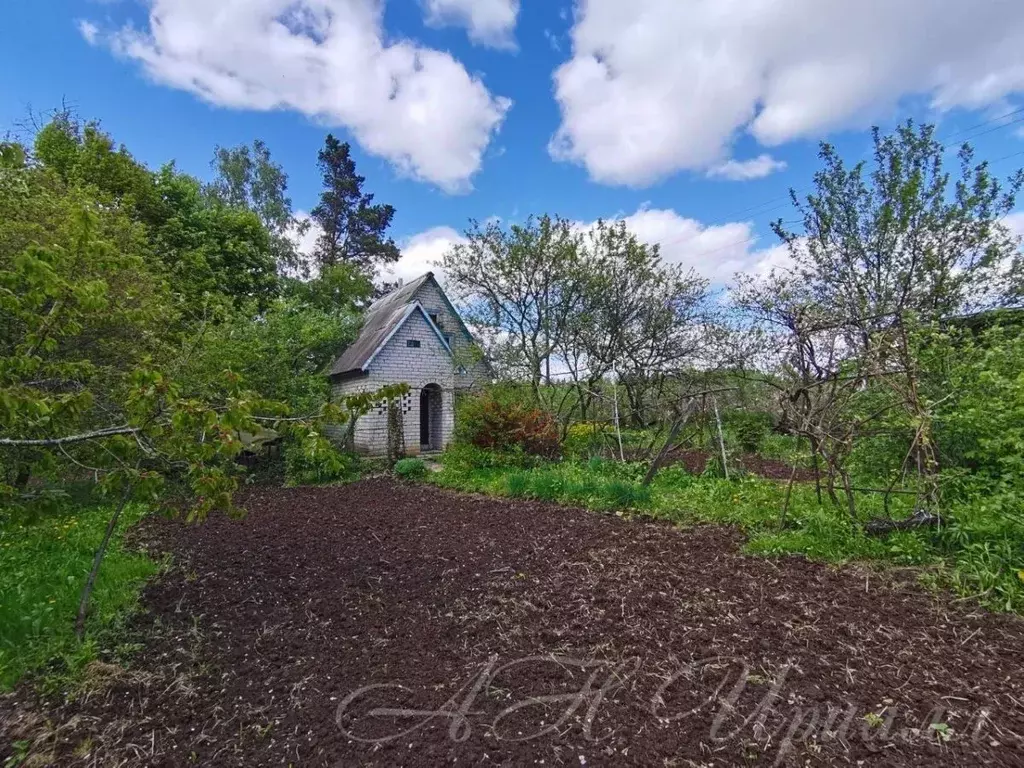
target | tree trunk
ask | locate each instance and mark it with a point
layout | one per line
(721, 438)
(850, 501)
(789, 493)
(656, 464)
(816, 465)
(90, 582)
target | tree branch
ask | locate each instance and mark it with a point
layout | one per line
(45, 442)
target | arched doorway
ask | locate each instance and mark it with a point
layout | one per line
(430, 418)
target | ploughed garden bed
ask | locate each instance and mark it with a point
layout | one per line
(696, 461)
(397, 624)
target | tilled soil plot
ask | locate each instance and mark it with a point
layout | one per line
(696, 461)
(390, 624)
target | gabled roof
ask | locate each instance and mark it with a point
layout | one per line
(383, 320)
(402, 295)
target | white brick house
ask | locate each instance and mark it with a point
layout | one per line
(413, 336)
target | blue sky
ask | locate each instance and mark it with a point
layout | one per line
(689, 121)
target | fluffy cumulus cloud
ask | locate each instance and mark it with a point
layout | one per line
(744, 170)
(488, 22)
(714, 251)
(417, 107)
(422, 253)
(657, 86)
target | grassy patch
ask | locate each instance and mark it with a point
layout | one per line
(972, 558)
(410, 469)
(42, 567)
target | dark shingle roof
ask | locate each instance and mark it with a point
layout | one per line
(382, 319)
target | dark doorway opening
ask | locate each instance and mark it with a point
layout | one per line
(425, 418)
(431, 416)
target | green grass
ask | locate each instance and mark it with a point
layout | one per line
(410, 469)
(980, 555)
(42, 568)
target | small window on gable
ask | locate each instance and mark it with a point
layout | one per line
(434, 319)
(412, 342)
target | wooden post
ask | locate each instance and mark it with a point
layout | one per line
(618, 430)
(721, 437)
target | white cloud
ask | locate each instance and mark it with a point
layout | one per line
(328, 59)
(657, 86)
(89, 31)
(305, 234)
(488, 22)
(1015, 223)
(745, 170)
(422, 253)
(716, 251)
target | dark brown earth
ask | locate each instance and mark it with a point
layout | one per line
(695, 461)
(652, 646)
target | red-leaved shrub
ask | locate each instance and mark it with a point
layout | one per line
(499, 420)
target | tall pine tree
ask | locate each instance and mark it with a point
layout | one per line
(352, 226)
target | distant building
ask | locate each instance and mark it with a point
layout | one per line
(413, 336)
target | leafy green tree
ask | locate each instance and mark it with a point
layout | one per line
(341, 289)
(908, 237)
(78, 308)
(126, 299)
(249, 178)
(83, 156)
(520, 286)
(640, 318)
(203, 247)
(885, 258)
(282, 352)
(209, 249)
(353, 228)
(93, 380)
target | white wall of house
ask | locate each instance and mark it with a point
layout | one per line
(417, 366)
(430, 296)
(429, 363)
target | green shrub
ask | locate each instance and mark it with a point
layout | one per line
(410, 469)
(749, 428)
(586, 438)
(311, 459)
(463, 457)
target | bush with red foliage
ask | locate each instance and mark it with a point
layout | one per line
(499, 420)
